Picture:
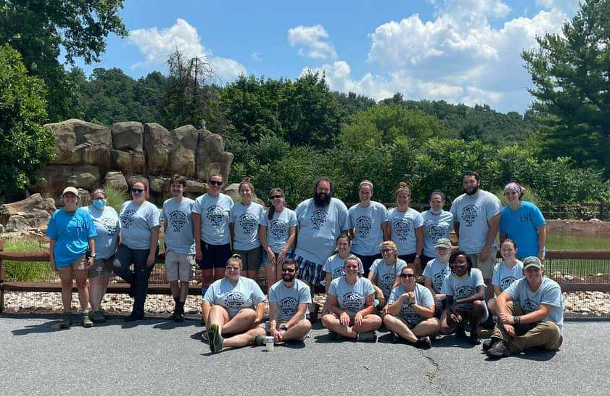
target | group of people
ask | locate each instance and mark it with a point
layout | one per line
(367, 258)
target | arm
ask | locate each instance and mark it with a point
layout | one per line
(368, 309)
(503, 314)
(351, 233)
(386, 231)
(494, 225)
(197, 232)
(497, 290)
(232, 230)
(532, 317)
(92, 250)
(262, 234)
(479, 295)
(52, 254)
(541, 241)
(419, 234)
(291, 237)
(456, 229)
(154, 239)
(503, 237)
(424, 312)
(394, 308)
(327, 279)
(298, 316)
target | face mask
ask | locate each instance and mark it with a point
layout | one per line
(99, 204)
(436, 211)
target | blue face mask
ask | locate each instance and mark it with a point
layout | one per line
(99, 204)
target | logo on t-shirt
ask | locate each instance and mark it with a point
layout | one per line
(364, 224)
(248, 222)
(338, 272)
(234, 300)
(529, 305)
(387, 281)
(352, 301)
(318, 218)
(506, 282)
(110, 225)
(435, 232)
(409, 313)
(469, 215)
(214, 214)
(288, 305)
(127, 218)
(177, 220)
(527, 217)
(438, 279)
(463, 292)
(278, 230)
(402, 228)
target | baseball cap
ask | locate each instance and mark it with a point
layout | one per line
(443, 243)
(532, 261)
(72, 190)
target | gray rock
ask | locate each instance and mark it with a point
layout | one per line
(127, 136)
(182, 156)
(131, 162)
(211, 157)
(157, 147)
(195, 187)
(35, 204)
(116, 180)
(17, 223)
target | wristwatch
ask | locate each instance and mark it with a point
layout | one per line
(92, 255)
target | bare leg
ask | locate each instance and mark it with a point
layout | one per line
(400, 327)
(175, 289)
(96, 288)
(240, 322)
(241, 340)
(427, 328)
(65, 275)
(270, 275)
(370, 322)
(445, 327)
(83, 291)
(491, 305)
(331, 322)
(207, 277)
(218, 315)
(184, 291)
(298, 332)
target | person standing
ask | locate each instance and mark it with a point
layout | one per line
(406, 228)
(437, 224)
(179, 244)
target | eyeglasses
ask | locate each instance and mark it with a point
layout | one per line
(233, 268)
(386, 250)
(277, 196)
(291, 270)
(137, 190)
(215, 183)
(407, 275)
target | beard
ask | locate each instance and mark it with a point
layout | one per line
(474, 190)
(322, 199)
(288, 277)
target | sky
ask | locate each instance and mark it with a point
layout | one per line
(461, 51)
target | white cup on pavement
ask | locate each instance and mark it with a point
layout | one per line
(269, 341)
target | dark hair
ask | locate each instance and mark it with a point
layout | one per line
(437, 192)
(352, 257)
(246, 182)
(402, 187)
(216, 175)
(291, 261)
(510, 241)
(177, 179)
(139, 179)
(321, 179)
(346, 236)
(472, 173)
(274, 191)
(457, 253)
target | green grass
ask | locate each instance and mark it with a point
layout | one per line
(563, 241)
(26, 271)
(115, 198)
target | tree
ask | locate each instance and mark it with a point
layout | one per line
(38, 30)
(25, 146)
(572, 86)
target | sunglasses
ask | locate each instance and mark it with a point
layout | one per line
(276, 196)
(407, 275)
(291, 270)
(215, 183)
(137, 190)
(386, 250)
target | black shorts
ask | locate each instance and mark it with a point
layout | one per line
(214, 256)
(408, 258)
(367, 261)
(439, 307)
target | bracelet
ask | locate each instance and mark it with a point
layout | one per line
(517, 319)
(411, 304)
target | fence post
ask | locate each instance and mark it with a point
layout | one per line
(1, 278)
(601, 210)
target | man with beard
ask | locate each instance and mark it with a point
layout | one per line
(288, 301)
(530, 314)
(321, 220)
(476, 215)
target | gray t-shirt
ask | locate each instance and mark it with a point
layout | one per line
(402, 227)
(385, 274)
(288, 299)
(319, 227)
(245, 221)
(437, 272)
(136, 224)
(107, 225)
(436, 226)
(423, 298)
(549, 293)
(351, 298)
(215, 212)
(368, 233)
(473, 214)
(503, 277)
(334, 266)
(179, 231)
(462, 287)
(245, 294)
(278, 228)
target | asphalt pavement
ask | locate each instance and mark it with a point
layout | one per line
(156, 356)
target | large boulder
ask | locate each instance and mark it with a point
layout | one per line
(184, 145)
(157, 148)
(196, 188)
(116, 180)
(32, 212)
(54, 178)
(211, 156)
(131, 162)
(127, 136)
(80, 142)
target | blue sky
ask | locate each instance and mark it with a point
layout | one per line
(464, 51)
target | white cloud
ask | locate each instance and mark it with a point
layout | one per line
(156, 45)
(472, 8)
(567, 6)
(256, 57)
(312, 41)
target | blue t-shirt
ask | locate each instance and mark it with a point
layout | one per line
(351, 298)
(107, 226)
(289, 298)
(521, 226)
(473, 214)
(335, 264)
(402, 228)
(137, 222)
(436, 226)
(423, 298)
(71, 233)
(215, 214)
(179, 236)
(464, 286)
(245, 221)
(319, 227)
(385, 274)
(549, 293)
(437, 272)
(503, 277)
(368, 233)
(278, 228)
(245, 294)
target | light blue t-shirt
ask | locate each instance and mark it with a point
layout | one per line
(437, 272)
(351, 298)
(71, 233)
(436, 226)
(107, 226)
(215, 214)
(319, 227)
(423, 298)
(521, 226)
(503, 277)
(179, 236)
(549, 293)
(136, 224)
(368, 233)
(334, 265)
(245, 221)
(288, 299)
(245, 294)
(278, 228)
(385, 274)
(402, 227)
(473, 214)
(462, 287)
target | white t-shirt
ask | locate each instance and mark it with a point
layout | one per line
(436, 226)
(107, 225)
(549, 293)
(278, 228)
(137, 222)
(464, 286)
(179, 237)
(334, 266)
(288, 299)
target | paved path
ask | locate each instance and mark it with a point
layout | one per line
(158, 357)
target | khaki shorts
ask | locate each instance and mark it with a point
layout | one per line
(279, 325)
(100, 266)
(487, 266)
(179, 266)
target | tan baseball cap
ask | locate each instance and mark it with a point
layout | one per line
(72, 190)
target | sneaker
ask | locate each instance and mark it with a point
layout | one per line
(178, 316)
(97, 317)
(214, 338)
(489, 323)
(423, 343)
(395, 338)
(487, 344)
(499, 350)
(86, 320)
(334, 336)
(369, 336)
(460, 332)
(475, 338)
(133, 317)
(260, 340)
(66, 321)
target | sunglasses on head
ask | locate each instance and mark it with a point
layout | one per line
(215, 183)
(407, 275)
(137, 190)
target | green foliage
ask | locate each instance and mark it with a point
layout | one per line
(24, 145)
(25, 271)
(115, 198)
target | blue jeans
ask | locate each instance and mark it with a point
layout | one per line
(138, 279)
